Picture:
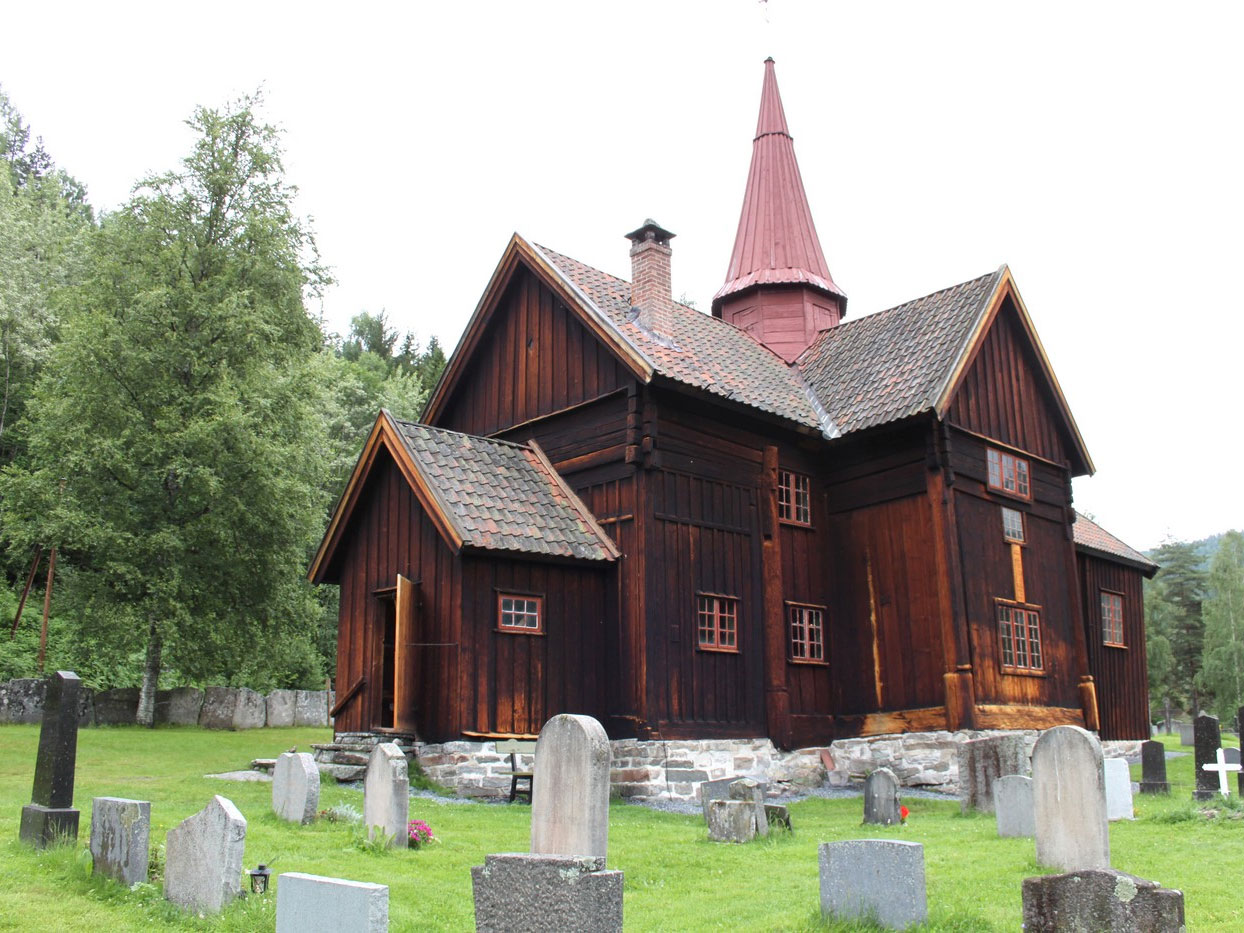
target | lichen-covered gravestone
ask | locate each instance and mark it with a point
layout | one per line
(50, 816)
(741, 817)
(219, 705)
(983, 761)
(1118, 779)
(1208, 739)
(1153, 768)
(315, 904)
(562, 884)
(386, 795)
(878, 878)
(295, 787)
(881, 803)
(281, 708)
(1100, 899)
(1069, 800)
(120, 838)
(1012, 799)
(203, 857)
(251, 711)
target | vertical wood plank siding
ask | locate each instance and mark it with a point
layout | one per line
(1121, 674)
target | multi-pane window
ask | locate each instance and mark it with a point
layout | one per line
(1112, 618)
(1019, 632)
(519, 613)
(794, 498)
(1008, 473)
(717, 622)
(1013, 525)
(807, 632)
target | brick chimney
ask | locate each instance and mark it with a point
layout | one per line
(650, 265)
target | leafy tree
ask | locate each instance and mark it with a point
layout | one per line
(1223, 670)
(1161, 660)
(1179, 588)
(176, 435)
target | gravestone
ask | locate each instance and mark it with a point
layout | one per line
(219, 705)
(386, 795)
(777, 815)
(983, 761)
(121, 838)
(178, 707)
(251, 711)
(1153, 769)
(295, 787)
(1187, 735)
(1231, 755)
(1208, 741)
(1069, 800)
(570, 791)
(878, 878)
(554, 893)
(742, 817)
(1100, 899)
(1118, 778)
(281, 708)
(720, 790)
(1220, 769)
(1012, 797)
(203, 858)
(21, 700)
(50, 816)
(881, 803)
(315, 904)
(310, 708)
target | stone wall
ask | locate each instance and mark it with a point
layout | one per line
(21, 701)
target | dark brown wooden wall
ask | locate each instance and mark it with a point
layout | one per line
(1004, 396)
(390, 535)
(513, 683)
(1121, 674)
(534, 359)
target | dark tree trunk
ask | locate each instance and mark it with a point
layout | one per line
(151, 678)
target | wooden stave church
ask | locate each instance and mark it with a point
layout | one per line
(589, 520)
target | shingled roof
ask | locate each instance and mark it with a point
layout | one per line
(501, 496)
(893, 364)
(1092, 538)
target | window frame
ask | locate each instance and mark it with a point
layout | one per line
(512, 629)
(716, 602)
(995, 466)
(793, 483)
(1023, 526)
(792, 608)
(1029, 612)
(1106, 630)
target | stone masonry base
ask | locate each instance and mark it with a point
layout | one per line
(651, 771)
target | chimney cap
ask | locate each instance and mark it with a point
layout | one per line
(651, 230)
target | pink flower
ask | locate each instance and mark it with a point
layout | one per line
(419, 832)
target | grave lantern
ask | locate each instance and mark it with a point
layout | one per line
(259, 879)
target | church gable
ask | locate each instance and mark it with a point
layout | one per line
(1007, 391)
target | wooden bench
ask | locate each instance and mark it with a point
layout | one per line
(518, 747)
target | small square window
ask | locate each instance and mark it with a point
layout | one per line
(794, 498)
(1112, 619)
(807, 632)
(520, 613)
(1013, 525)
(1008, 473)
(717, 622)
(1019, 634)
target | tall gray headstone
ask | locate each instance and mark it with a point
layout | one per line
(1187, 735)
(386, 795)
(1012, 798)
(983, 761)
(203, 858)
(881, 803)
(251, 711)
(570, 790)
(50, 816)
(1208, 740)
(311, 708)
(1153, 768)
(315, 904)
(1118, 779)
(878, 878)
(281, 708)
(295, 787)
(180, 706)
(554, 893)
(1069, 800)
(219, 705)
(121, 838)
(1100, 899)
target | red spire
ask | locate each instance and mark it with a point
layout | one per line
(776, 243)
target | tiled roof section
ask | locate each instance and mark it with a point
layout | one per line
(1091, 536)
(893, 364)
(694, 348)
(501, 496)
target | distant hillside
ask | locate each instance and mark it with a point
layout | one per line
(1206, 547)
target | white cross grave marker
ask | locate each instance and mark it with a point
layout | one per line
(1222, 768)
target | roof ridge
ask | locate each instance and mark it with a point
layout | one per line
(440, 430)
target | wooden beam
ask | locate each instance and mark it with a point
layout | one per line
(346, 697)
(47, 610)
(1026, 717)
(30, 579)
(777, 695)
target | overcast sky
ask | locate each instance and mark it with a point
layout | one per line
(1094, 147)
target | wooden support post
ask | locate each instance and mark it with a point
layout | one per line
(47, 609)
(30, 579)
(958, 681)
(1088, 703)
(777, 696)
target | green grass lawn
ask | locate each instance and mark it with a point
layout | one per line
(675, 878)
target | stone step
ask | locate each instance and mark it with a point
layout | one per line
(263, 764)
(343, 772)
